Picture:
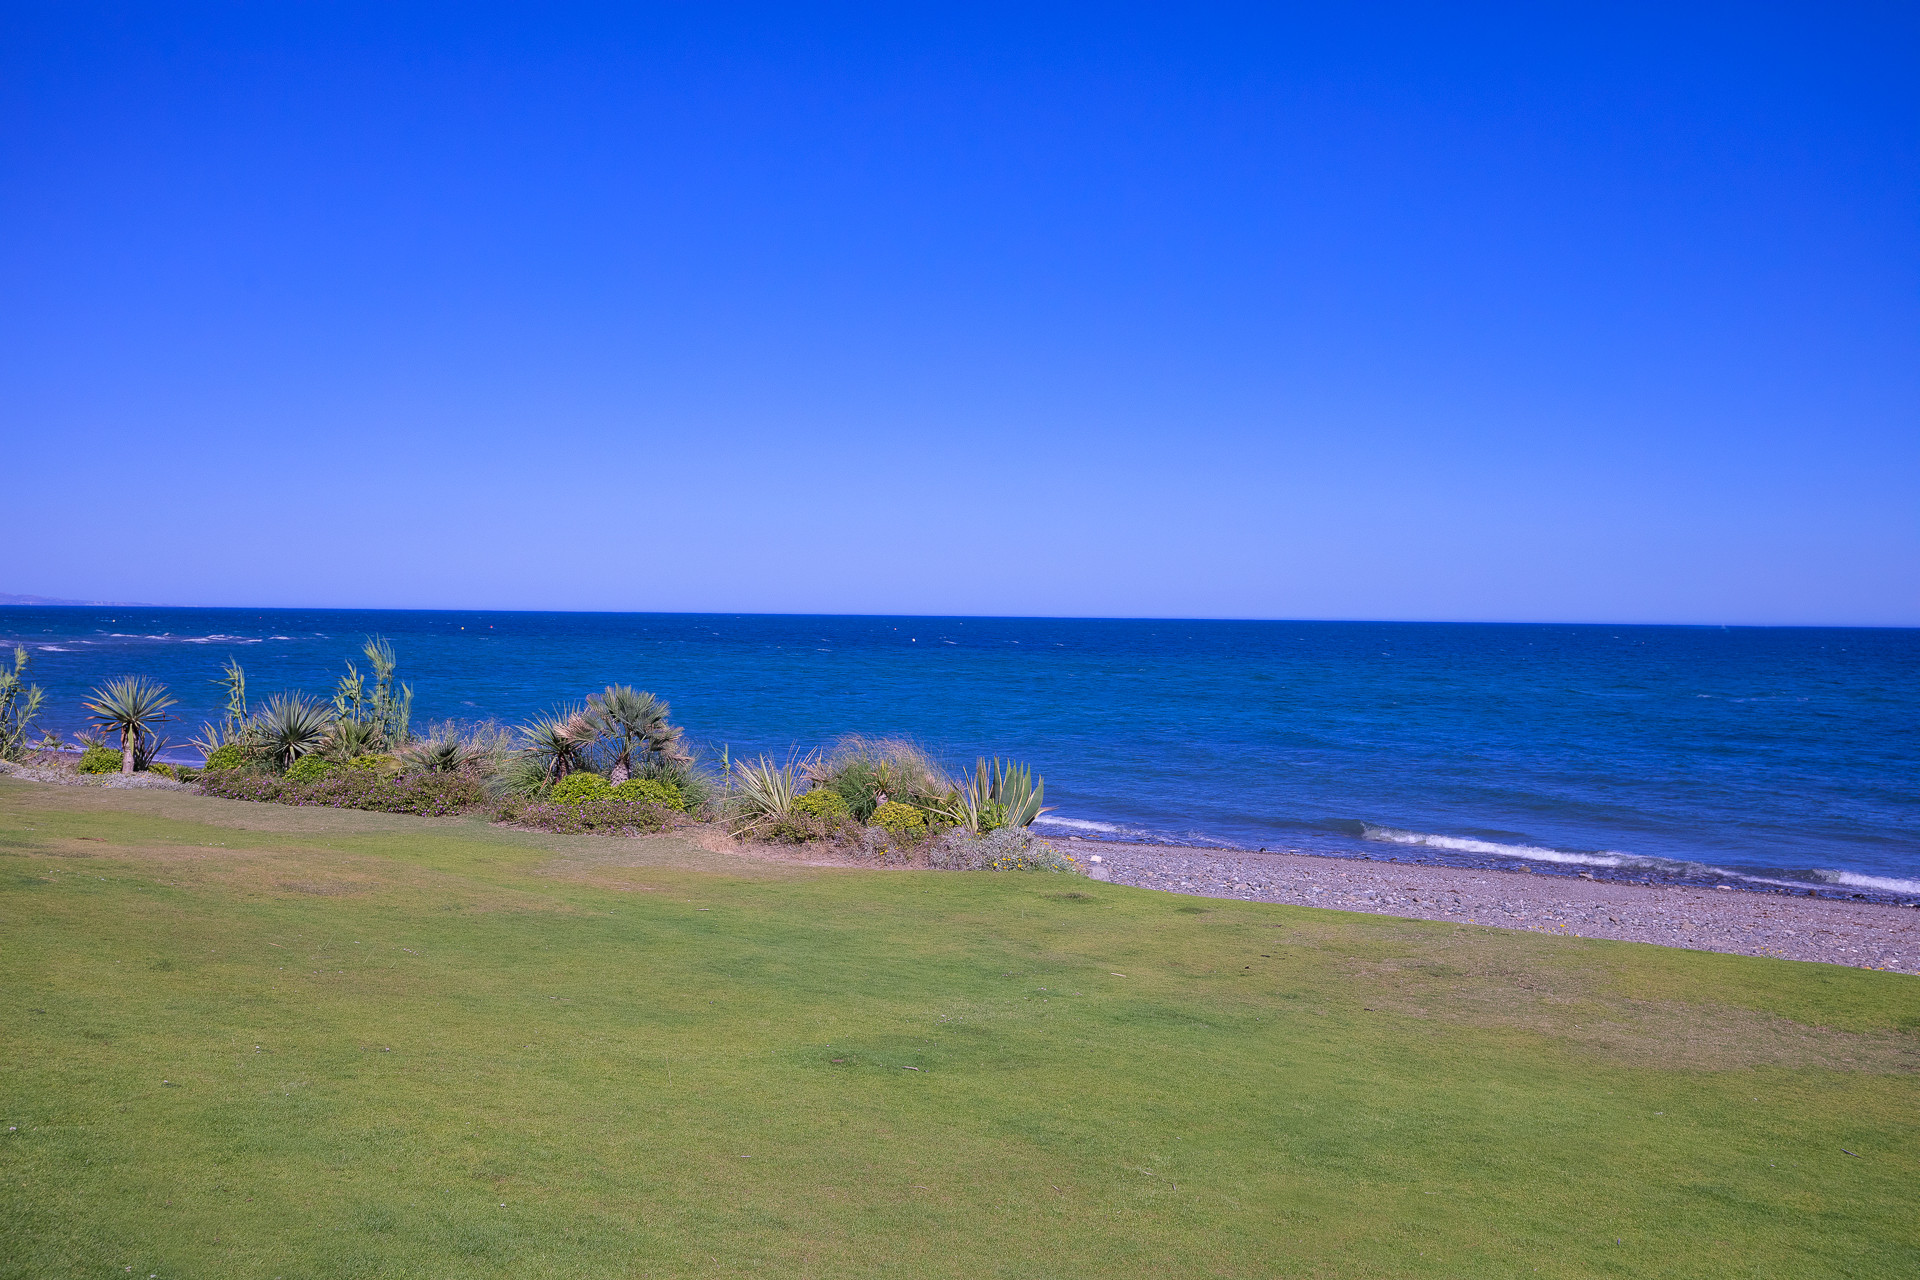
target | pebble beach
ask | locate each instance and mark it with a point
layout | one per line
(1865, 935)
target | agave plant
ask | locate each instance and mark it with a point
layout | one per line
(130, 706)
(635, 724)
(559, 741)
(760, 791)
(349, 739)
(19, 705)
(290, 726)
(1003, 794)
(448, 754)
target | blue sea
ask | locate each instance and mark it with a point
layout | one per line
(1757, 757)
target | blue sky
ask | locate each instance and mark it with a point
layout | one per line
(1435, 312)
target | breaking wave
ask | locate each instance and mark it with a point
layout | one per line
(1665, 867)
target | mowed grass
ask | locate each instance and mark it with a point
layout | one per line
(251, 1041)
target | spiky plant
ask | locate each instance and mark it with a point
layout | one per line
(868, 772)
(634, 724)
(1003, 794)
(449, 754)
(350, 739)
(130, 706)
(760, 791)
(290, 726)
(559, 741)
(390, 704)
(19, 705)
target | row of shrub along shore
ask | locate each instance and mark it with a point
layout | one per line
(611, 764)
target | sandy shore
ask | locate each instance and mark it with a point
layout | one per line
(1862, 934)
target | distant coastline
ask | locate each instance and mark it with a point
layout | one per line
(8, 597)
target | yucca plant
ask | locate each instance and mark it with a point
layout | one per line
(19, 705)
(449, 754)
(350, 739)
(760, 791)
(130, 706)
(290, 726)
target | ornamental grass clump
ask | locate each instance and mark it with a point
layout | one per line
(870, 772)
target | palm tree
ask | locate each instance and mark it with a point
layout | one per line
(130, 706)
(559, 741)
(290, 726)
(636, 721)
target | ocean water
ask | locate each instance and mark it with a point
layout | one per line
(1758, 757)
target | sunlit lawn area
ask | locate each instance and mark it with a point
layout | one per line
(245, 1040)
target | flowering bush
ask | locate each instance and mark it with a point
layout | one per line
(428, 794)
(579, 817)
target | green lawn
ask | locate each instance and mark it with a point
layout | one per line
(252, 1041)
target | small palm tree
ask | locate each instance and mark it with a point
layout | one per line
(131, 707)
(559, 741)
(636, 722)
(290, 726)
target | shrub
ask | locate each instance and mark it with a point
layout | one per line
(823, 803)
(229, 756)
(1008, 849)
(100, 760)
(388, 765)
(601, 817)
(869, 772)
(311, 768)
(761, 793)
(427, 794)
(901, 821)
(164, 770)
(652, 791)
(577, 788)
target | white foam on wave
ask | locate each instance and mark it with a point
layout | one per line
(1884, 884)
(1463, 844)
(1078, 824)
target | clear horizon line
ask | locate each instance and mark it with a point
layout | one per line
(52, 603)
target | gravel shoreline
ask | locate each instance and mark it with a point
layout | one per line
(1864, 935)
